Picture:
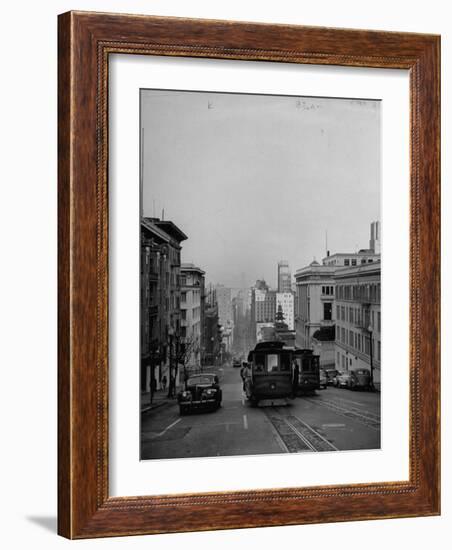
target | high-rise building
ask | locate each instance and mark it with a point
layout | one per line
(224, 301)
(265, 306)
(374, 243)
(225, 315)
(192, 305)
(284, 277)
(211, 331)
(286, 301)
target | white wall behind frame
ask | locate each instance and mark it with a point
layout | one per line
(28, 192)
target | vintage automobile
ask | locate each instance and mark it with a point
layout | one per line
(344, 380)
(323, 379)
(361, 379)
(202, 391)
(331, 376)
(236, 363)
(356, 379)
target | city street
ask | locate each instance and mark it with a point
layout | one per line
(332, 420)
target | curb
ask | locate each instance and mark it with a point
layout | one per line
(154, 406)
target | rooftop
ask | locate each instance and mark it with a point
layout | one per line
(168, 227)
(360, 270)
(158, 233)
(189, 267)
(315, 269)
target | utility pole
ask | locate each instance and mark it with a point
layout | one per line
(370, 331)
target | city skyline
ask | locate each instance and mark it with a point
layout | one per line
(251, 202)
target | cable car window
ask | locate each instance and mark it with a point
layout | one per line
(308, 364)
(285, 362)
(259, 362)
(272, 362)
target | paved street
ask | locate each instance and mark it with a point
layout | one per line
(333, 419)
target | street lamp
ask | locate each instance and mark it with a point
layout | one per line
(370, 331)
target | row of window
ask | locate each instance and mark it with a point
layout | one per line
(361, 317)
(196, 314)
(195, 329)
(359, 342)
(189, 281)
(353, 261)
(344, 362)
(196, 295)
(359, 292)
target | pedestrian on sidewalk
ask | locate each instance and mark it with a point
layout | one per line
(164, 381)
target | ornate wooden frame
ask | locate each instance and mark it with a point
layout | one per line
(85, 42)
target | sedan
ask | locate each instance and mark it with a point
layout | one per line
(202, 391)
(331, 376)
(344, 380)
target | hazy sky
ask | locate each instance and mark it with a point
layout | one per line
(253, 179)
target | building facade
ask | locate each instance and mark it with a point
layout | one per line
(225, 316)
(241, 319)
(192, 304)
(375, 237)
(317, 322)
(224, 301)
(351, 259)
(284, 277)
(315, 313)
(265, 306)
(160, 300)
(211, 333)
(358, 319)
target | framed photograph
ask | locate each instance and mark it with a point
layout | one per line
(249, 261)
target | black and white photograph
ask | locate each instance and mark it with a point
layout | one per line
(260, 301)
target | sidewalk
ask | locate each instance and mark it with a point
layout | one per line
(159, 399)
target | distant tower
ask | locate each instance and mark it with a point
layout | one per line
(280, 314)
(374, 243)
(284, 277)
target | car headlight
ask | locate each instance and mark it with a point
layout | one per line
(210, 392)
(186, 395)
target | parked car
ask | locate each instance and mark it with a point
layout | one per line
(323, 379)
(356, 379)
(344, 380)
(362, 379)
(331, 375)
(236, 363)
(202, 391)
(333, 378)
